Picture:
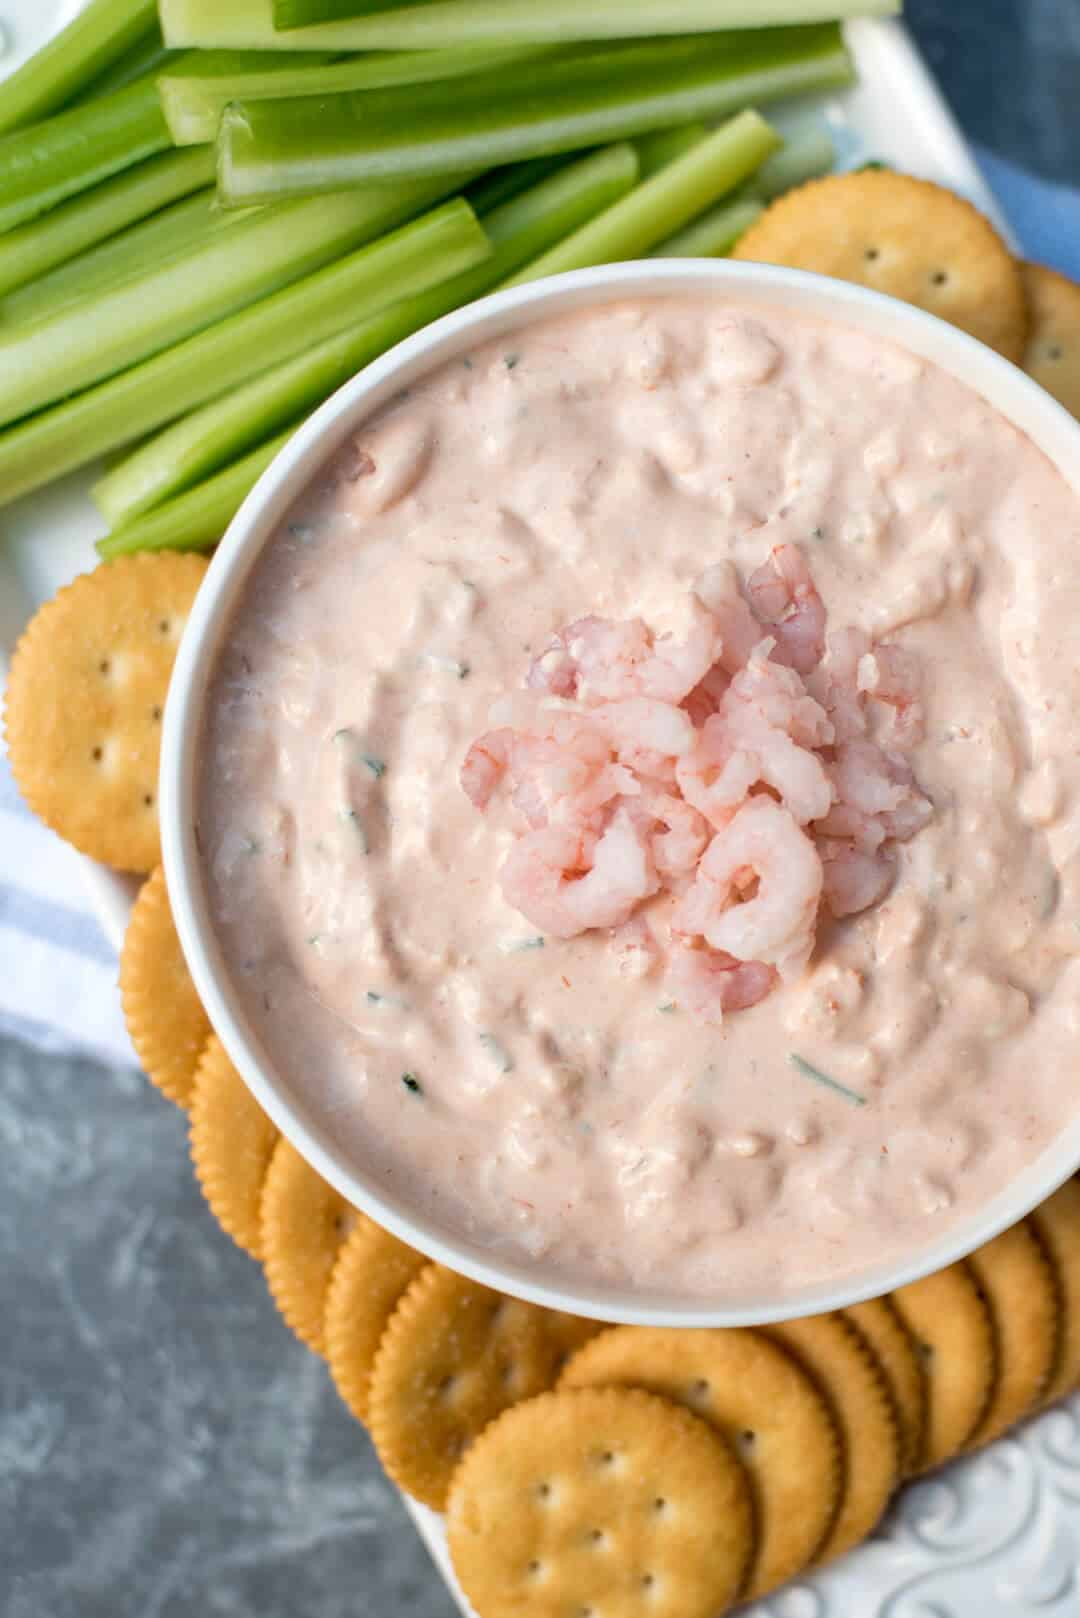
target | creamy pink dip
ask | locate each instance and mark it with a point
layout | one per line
(524, 1090)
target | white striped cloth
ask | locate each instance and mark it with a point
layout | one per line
(57, 969)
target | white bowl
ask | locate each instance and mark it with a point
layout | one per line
(1001, 384)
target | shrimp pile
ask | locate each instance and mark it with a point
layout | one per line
(726, 790)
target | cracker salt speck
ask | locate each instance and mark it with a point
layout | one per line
(372, 1274)
(766, 1406)
(903, 236)
(1052, 355)
(603, 1501)
(165, 1019)
(1019, 1285)
(85, 697)
(951, 1326)
(232, 1142)
(842, 1365)
(303, 1224)
(454, 1356)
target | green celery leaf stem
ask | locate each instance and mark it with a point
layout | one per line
(85, 343)
(195, 521)
(249, 24)
(198, 444)
(33, 249)
(657, 208)
(101, 33)
(269, 149)
(195, 92)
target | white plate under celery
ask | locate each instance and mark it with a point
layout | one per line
(998, 1535)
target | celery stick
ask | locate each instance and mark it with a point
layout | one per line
(807, 152)
(123, 257)
(57, 355)
(130, 405)
(271, 149)
(301, 13)
(195, 92)
(200, 443)
(148, 56)
(666, 203)
(491, 190)
(42, 166)
(101, 33)
(713, 234)
(663, 146)
(196, 521)
(249, 24)
(56, 237)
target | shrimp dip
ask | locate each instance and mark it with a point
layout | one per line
(638, 798)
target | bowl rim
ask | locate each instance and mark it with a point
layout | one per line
(995, 379)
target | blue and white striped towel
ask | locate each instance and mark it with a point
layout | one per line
(58, 970)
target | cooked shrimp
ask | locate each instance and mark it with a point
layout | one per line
(718, 589)
(764, 858)
(853, 880)
(783, 595)
(747, 742)
(564, 880)
(707, 983)
(485, 765)
(781, 698)
(843, 701)
(706, 696)
(677, 849)
(889, 674)
(647, 736)
(601, 660)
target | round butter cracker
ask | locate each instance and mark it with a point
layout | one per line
(1017, 1280)
(373, 1272)
(453, 1357)
(85, 698)
(232, 1142)
(951, 1326)
(767, 1408)
(898, 1356)
(907, 237)
(303, 1224)
(164, 1015)
(600, 1501)
(1057, 1225)
(841, 1364)
(1052, 354)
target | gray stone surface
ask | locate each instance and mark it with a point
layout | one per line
(165, 1447)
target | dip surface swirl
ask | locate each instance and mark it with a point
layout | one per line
(542, 1096)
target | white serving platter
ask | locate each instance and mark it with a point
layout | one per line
(998, 1535)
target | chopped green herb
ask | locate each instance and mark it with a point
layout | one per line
(392, 1001)
(251, 845)
(302, 531)
(349, 737)
(515, 946)
(411, 1082)
(448, 665)
(818, 533)
(667, 1008)
(349, 817)
(874, 163)
(467, 362)
(511, 360)
(498, 1053)
(810, 1072)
